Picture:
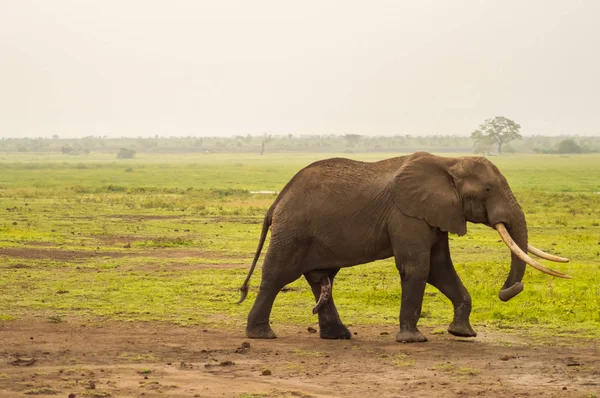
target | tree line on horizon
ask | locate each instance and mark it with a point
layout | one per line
(349, 143)
(494, 136)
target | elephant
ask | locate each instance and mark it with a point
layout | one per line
(339, 212)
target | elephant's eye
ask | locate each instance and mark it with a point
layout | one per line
(488, 188)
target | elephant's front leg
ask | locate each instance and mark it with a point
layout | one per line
(443, 276)
(414, 270)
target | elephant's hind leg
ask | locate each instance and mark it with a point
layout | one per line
(443, 276)
(258, 320)
(280, 268)
(330, 325)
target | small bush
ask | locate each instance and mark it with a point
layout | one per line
(116, 188)
(569, 146)
(225, 192)
(125, 153)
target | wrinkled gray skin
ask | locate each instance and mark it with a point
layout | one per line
(338, 213)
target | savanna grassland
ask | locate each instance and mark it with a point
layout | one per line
(166, 241)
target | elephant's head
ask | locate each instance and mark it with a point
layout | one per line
(448, 192)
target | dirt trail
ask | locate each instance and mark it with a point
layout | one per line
(57, 254)
(150, 359)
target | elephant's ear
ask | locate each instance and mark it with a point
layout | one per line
(424, 188)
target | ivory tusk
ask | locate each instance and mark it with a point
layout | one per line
(522, 255)
(542, 254)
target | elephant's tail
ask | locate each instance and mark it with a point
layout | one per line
(263, 236)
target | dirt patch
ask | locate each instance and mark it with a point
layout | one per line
(42, 244)
(55, 254)
(192, 218)
(187, 267)
(140, 217)
(112, 240)
(132, 217)
(233, 219)
(126, 360)
(74, 255)
(183, 253)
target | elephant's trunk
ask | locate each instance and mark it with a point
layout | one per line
(515, 237)
(513, 285)
(517, 232)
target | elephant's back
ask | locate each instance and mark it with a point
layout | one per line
(345, 175)
(329, 189)
(337, 208)
(331, 177)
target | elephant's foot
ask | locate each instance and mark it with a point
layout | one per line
(461, 329)
(410, 336)
(260, 332)
(335, 331)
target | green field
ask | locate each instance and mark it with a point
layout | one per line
(171, 238)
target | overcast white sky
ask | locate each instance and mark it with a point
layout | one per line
(221, 67)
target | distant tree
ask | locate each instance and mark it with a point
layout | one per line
(352, 139)
(482, 147)
(569, 146)
(125, 153)
(66, 149)
(266, 139)
(498, 130)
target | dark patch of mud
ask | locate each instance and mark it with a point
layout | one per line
(140, 217)
(55, 254)
(33, 253)
(119, 240)
(233, 220)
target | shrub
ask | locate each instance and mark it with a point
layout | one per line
(569, 146)
(125, 153)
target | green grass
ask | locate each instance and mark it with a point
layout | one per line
(456, 370)
(136, 231)
(402, 360)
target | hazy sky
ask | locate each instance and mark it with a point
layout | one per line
(219, 67)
